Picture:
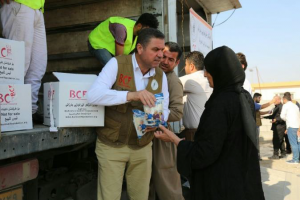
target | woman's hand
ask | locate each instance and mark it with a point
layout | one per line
(167, 135)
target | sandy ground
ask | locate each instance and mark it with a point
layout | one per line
(266, 149)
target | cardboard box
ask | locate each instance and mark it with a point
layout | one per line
(12, 62)
(16, 109)
(69, 105)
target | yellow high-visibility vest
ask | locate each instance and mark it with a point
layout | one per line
(101, 37)
(34, 4)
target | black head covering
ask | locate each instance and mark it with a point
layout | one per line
(225, 68)
(228, 74)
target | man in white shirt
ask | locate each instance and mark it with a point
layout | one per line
(196, 90)
(243, 61)
(128, 82)
(290, 114)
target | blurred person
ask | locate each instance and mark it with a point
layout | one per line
(196, 92)
(290, 114)
(128, 82)
(165, 180)
(23, 20)
(258, 113)
(243, 61)
(117, 36)
(278, 128)
(222, 162)
(288, 145)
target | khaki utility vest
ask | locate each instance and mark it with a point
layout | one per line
(119, 129)
(258, 119)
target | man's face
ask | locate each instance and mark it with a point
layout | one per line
(284, 100)
(169, 60)
(257, 100)
(151, 55)
(277, 101)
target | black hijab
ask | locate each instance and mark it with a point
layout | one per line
(228, 74)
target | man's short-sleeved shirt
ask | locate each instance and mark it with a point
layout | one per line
(257, 106)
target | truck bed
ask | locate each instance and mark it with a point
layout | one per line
(17, 143)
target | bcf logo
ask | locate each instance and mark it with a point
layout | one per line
(77, 94)
(6, 51)
(124, 80)
(8, 97)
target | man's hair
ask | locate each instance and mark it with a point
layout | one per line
(174, 47)
(242, 59)
(256, 95)
(148, 19)
(287, 96)
(196, 58)
(145, 35)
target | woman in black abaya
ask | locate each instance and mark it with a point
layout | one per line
(222, 162)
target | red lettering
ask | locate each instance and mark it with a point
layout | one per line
(72, 94)
(50, 94)
(124, 80)
(121, 78)
(2, 52)
(83, 93)
(77, 94)
(5, 98)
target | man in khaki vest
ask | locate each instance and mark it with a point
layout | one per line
(165, 180)
(128, 82)
(258, 113)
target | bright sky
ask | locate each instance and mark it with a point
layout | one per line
(268, 33)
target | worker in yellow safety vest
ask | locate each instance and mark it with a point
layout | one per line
(117, 35)
(23, 20)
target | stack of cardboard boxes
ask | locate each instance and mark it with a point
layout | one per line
(65, 103)
(15, 96)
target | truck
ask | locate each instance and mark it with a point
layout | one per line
(38, 164)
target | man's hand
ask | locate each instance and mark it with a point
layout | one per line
(274, 120)
(285, 132)
(4, 1)
(298, 132)
(147, 98)
(273, 100)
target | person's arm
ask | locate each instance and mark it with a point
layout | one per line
(176, 102)
(119, 33)
(101, 93)
(283, 113)
(264, 112)
(119, 49)
(165, 92)
(267, 104)
(207, 148)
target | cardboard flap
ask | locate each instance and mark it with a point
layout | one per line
(78, 78)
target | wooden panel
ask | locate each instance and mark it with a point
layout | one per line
(54, 4)
(67, 42)
(89, 13)
(74, 65)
